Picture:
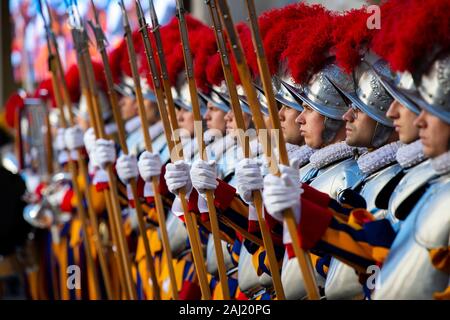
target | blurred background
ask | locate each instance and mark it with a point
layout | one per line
(23, 50)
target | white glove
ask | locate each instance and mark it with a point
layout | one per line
(104, 152)
(177, 177)
(293, 171)
(249, 178)
(60, 144)
(204, 175)
(73, 137)
(89, 140)
(279, 194)
(149, 166)
(126, 168)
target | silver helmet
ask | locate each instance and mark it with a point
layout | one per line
(401, 87)
(127, 88)
(434, 89)
(372, 98)
(323, 97)
(215, 99)
(225, 96)
(182, 98)
(283, 95)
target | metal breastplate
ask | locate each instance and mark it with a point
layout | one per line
(211, 258)
(337, 177)
(292, 279)
(407, 272)
(375, 183)
(247, 278)
(134, 140)
(136, 144)
(178, 237)
(227, 163)
(342, 281)
(413, 180)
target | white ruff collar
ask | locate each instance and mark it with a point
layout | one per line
(441, 164)
(132, 124)
(380, 158)
(330, 154)
(301, 153)
(410, 154)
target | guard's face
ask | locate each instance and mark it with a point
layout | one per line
(128, 107)
(359, 127)
(186, 120)
(215, 118)
(311, 127)
(230, 122)
(290, 128)
(151, 112)
(404, 122)
(434, 134)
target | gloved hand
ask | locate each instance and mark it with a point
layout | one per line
(126, 168)
(73, 138)
(104, 152)
(249, 178)
(204, 175)
(293, 171)
(149, 166)
(89, 140)
(177, 177)
(60, 144)
(279, 194)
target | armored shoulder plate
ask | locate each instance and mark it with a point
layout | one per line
(375, 183)
(342, 282)
(292, 280)
(247, 278)
(211, 258)
(432, 227)
(178, 237)
(227, 163)
(135, 141)
(414, 179)
(337, 177)
(407, 272)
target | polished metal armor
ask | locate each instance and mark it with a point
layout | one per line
(178, 237)
(331, 180)
(342, 281)
(292, 279)
(407, 272)
(247, 278)
(414, 179)
(337, 177)
(211, 258)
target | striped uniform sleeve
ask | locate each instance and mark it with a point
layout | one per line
(360, 241)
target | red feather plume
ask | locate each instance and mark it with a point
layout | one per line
(276, 26)
(14, 103)
(412, 32)
(309, 46)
